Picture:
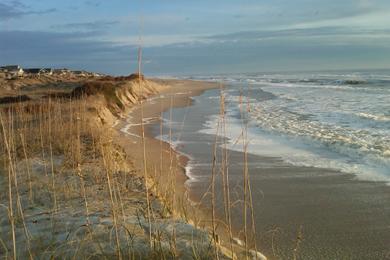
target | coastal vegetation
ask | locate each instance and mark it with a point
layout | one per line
(70, 190)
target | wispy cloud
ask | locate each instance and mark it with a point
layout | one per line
(198, 36)
(89, 26)
(16, 9)
(94, 3)
(77, 50)
(371, 19)
(332, 32)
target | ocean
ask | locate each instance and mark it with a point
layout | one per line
(329, 120)
(318, 158)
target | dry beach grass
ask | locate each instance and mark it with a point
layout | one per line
(73, 187)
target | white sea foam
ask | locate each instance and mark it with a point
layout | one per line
(382, 118)
(318, 115)
(127, 128)
(182, 93)
(292, 153)
(175, 144)
(328, 120)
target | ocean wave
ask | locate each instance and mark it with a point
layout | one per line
(297, 152)
(346, 141)
(293, 124)
(346, 114)
(326, 81)
(289, 84)
(381, 118)
(351, 81)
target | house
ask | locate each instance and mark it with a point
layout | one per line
(47, 71)
(12, 71)
(39, 71)
(11, 68)
(80, 73)
(33, 71)
(95, 74)
(61, 71)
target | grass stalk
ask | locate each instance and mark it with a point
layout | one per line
(245, 174)
(10, 196)
(53, 182)
(213, 194)
(145, 171)
(113, 207)
(30, 190)
(225, 171)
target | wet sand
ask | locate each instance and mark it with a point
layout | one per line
(321, 213)
(329, 214)
(165, 167)
(164, 164)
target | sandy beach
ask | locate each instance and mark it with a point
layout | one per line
(194, 130)
(165, 164)
(161, 158)
(95, 202)
(317, 213)
(298, 212)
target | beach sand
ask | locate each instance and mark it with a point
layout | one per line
(94, 191)
(161, 159)
(165, 166)
(323, 213)
(302, 212)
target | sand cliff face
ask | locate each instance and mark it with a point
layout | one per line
(70, 191)
(124, 97)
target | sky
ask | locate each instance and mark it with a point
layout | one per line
(182, 37)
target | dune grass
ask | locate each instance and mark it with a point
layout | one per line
(71, 192)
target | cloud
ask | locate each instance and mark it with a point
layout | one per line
(365, 3)
(89, 26)
(94, 3)
(16, 9)
(371, 19)
(76, 50)
(256, 56)
(178, 38)
(84, 50)
(299, 32)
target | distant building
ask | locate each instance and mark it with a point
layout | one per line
(80, 73)
(9, 68)
(33, 71)
(61, 71)
(95, 74)
(12, 71)
(39, 71)
(47, 71)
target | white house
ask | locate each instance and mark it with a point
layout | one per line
(39, 71)
(47, 71)
(62, 72)
(12, 71)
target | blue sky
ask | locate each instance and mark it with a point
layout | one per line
(195, 37)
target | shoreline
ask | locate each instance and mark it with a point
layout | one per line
(331, 214)
(130, 133)
(277, 185)
(338, 215)
(96, 189)
(130, 126)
